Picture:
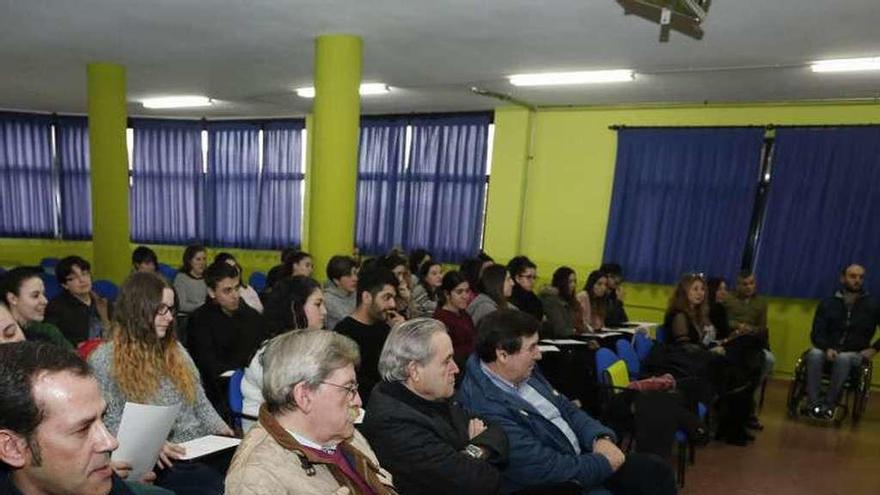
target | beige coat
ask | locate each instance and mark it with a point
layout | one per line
(262, 466)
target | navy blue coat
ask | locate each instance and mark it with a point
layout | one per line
(539, 452)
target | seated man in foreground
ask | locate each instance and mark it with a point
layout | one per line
(52, 438)
(843, 327)
(305, 441)
(428, 442)
(552, 442)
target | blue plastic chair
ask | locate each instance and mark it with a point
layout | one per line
(643, 345)
(106, 289)
(258, 281)
(660, 334)
(236, 400)
(628, 354)
(48, 265)
(167, 271)
(604, 359)
(50, 283)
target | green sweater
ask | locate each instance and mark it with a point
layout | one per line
(752, 311)
(46, 331)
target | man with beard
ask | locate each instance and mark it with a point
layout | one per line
(843, 328)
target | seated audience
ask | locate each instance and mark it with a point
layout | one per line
(189, 282)
(615, 313)
(430, 444)
(748, 315)
(496, 286)
(524, 273)
(398, 266)
(424, 295)
(594, 300)
(565, 316)
(10, 331)
(472, 270)
(305, 441)
(224, 333)
(143, 362)
(300, 264)
(143, 259)
(279, 271)
(52, 437)
(78, 312)
(452, 311)
(247, 293)
(339, 296)
(370, 323)
(417, 258)
(297, 303)
(552, 442)
(843, 327)
(25, 298)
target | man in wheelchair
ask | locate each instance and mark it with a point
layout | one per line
(843, 327)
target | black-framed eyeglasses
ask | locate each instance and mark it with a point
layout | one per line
(351, 389)
(164, 310)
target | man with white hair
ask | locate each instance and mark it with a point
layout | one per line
(429, 442)
(305, 442)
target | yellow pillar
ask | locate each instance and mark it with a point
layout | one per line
(109, 171)
(334, 157)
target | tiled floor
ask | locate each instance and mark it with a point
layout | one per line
(793, 457)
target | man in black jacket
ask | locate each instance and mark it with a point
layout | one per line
(78, 311)
(224, 333)
(430, 444)
(843, 328)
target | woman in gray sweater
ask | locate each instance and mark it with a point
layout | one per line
(142, 362)
(495, 287)
(189, 284)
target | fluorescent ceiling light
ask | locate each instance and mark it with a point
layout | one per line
(846, 64)
(177, 102)
(366, 89)
(561, 78)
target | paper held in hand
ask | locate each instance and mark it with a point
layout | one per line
(142, 433)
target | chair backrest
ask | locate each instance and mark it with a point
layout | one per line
(643, 345)
(258, 281)
(48, 265)
(53, 288)
(604, 359)
(236, 400)
(106, 289)
(660, 335)
(168, 272)
(617, 375)
(628, 354)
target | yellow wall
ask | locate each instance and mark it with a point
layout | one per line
(570, 179)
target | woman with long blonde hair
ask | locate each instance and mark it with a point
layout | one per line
(142, 362)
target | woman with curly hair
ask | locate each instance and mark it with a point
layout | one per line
(143, 362)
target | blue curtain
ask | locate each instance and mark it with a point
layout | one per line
(233, 179)
(682, 201)
(380, 165)
(28, 203)
(72, 151)
(445, 186)
(823, 210)
(167, 183)
(281, 186)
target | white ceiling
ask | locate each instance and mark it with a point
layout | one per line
(249, 54)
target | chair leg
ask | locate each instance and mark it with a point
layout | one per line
(763, 391)
(682, 462)
(692, 454)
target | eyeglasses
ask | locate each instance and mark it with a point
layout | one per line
(351, 390)
(164, 310)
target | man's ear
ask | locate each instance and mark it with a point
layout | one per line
(501, 355)
(14, 449)
(366, 298)
(302, 396)
(212, 293)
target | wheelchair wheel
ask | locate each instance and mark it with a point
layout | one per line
(862, 392)
(796, 389)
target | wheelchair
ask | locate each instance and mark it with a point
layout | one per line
(853, 398)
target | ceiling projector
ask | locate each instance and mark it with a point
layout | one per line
(684, 16)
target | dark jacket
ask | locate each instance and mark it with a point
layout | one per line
(370, 339)
(540, 454)
(72, 316)
(846, 329)
(422, 444)
(8, 488)
(615, 315)
(219, 342)
(527, 302)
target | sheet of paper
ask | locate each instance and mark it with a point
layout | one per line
(142, 432)
(209, 444)
(603, 335)
(548, 348)
(643, 323)
(564, 342)
(630, 331)
(227, 374)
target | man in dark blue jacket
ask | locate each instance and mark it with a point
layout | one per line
(552, 442)
(843, 328)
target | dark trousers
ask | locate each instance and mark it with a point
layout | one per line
(643, 474)
(205, 477)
